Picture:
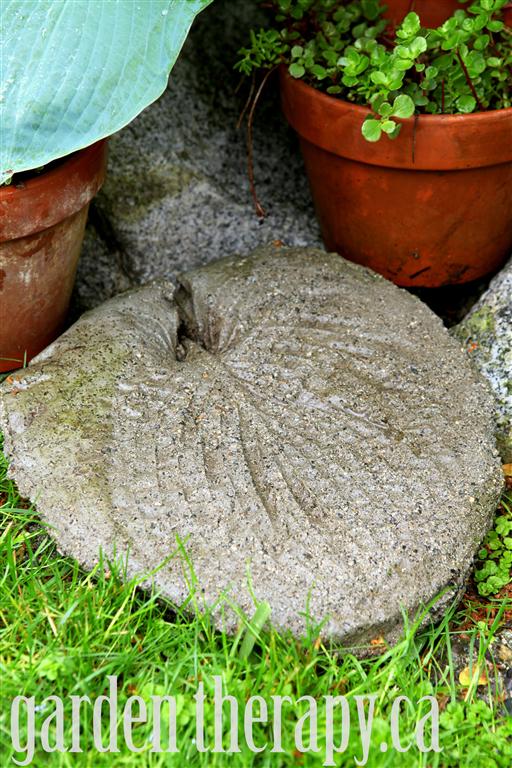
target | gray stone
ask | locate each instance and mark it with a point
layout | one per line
(177, 185)
(487, 336)
(289, 413)
(100, 273)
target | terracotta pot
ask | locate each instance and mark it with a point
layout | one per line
(430, 208)
(42, 225)
(431, 12)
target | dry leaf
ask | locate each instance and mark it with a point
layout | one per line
(466, 678)
(442, 700)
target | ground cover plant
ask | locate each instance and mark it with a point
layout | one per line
(495, 556)
(62, 632)
(348, 51)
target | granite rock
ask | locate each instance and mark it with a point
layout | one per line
(289, 413)
(100, 273)
(486, 333)
(177, 191)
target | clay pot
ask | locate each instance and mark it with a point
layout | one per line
(432, 207)
(42, 225)
(431, 12)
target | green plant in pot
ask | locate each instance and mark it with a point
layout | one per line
(431, 12)
(406, 137)
(72, 73)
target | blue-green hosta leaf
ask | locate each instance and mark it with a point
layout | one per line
(75, 71)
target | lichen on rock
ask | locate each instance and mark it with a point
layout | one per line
(486, 334)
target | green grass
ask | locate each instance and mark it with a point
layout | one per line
(62, 632)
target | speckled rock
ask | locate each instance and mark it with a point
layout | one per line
(100, 273)
(177, 192)
(486, 333)
(289, 413)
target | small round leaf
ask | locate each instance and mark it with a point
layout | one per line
(403, 106)
(371, 129)
(296, 70)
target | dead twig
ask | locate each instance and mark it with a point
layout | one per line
(250, 122)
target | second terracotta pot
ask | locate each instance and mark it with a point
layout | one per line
(431, 12)
(430, 208)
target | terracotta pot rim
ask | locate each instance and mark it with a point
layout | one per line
(64, 167)
(430, 119)
(67, 188)
(463, 138)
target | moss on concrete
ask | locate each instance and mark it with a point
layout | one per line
(125, 197)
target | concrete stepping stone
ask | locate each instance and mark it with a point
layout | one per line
(288, 414)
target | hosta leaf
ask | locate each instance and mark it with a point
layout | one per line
(75, 71)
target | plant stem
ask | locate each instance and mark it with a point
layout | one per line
(469, 81)
(250, 161)
(247, 103)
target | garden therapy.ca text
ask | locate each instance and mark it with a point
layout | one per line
(222, 724)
